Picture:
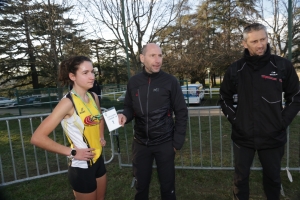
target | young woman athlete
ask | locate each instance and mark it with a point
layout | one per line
(80, 116)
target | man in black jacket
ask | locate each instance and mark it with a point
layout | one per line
(259, 121)
(152, 97)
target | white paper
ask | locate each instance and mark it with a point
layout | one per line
(111, 119)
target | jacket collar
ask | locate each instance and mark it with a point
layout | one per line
(257, 62)
(153, 75)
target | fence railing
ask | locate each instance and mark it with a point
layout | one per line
(208, 143)
(207, 146)
(21, 161)
(47, 99)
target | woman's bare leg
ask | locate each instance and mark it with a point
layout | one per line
(101, 187)
(85, 196)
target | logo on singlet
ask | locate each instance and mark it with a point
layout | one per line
(82, 111)
(91, 120)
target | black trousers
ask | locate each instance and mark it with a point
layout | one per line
(270, 160)
(142, 161)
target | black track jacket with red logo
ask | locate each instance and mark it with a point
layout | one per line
(259, 120)
(151, 99)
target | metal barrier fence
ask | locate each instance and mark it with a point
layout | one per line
(208, 146)
(208, 143)
(44, 100)
(21, 161)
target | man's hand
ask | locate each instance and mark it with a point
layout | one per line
(122, 119)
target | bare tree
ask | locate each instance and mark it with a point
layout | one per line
(206, 39)
(275, 17)
(143, 19)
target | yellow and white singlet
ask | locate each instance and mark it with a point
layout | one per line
(82, 128)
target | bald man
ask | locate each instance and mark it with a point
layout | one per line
(152, 98)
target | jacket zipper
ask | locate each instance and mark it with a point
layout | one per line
(138, 95)
(147, 110)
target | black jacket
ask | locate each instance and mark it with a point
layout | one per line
(151, 99)
(259, 121)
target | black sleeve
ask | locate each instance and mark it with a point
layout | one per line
(128, 110)
(291, 94)
(227, 90)
(181, 115)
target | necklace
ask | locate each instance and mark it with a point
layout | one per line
(94, 117)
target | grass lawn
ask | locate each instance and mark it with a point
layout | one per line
(190, 184)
